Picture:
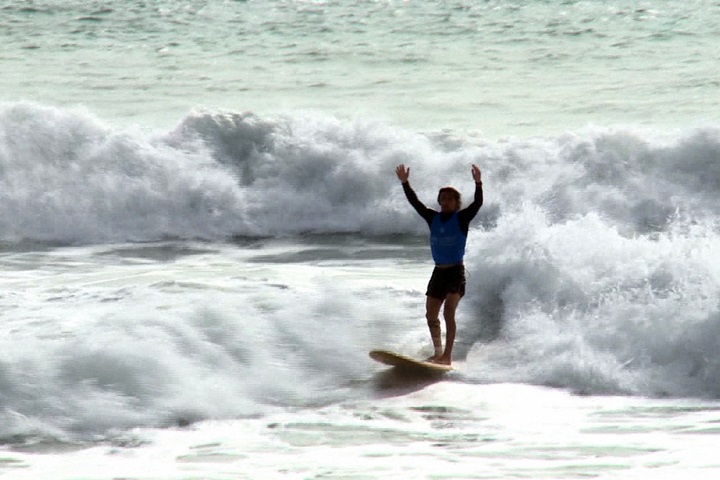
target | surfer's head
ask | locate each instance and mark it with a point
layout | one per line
(449, 199)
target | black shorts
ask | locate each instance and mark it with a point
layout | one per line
(446, 280)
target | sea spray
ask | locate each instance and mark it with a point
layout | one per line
(67, 178)
(591, 265)
(581, 304)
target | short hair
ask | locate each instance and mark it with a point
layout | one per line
(454, 192)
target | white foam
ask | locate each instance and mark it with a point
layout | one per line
(69, 178)
(591, 266)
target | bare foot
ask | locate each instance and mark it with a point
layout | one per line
(442, 360)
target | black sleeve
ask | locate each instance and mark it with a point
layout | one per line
(419, 207)
(469, 212)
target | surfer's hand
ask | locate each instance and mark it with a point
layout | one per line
(402, 172)
(477, 175)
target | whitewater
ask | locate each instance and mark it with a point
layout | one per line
(202, 237)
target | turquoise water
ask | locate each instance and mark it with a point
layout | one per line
(495, 67)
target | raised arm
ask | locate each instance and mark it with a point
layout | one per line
(469, 212)
(403, 174)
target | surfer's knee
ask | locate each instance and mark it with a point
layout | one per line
(432, 322)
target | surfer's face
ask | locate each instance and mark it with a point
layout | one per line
(448, 201)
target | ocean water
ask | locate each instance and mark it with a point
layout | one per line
(202, 236)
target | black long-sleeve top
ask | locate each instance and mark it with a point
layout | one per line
(465, 215)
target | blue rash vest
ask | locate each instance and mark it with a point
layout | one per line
(447, 240)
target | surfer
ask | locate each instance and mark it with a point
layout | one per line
(448, 234)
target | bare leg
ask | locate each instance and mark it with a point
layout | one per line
(432, 314)
(451, 303)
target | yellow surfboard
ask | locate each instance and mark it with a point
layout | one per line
(407, 363)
